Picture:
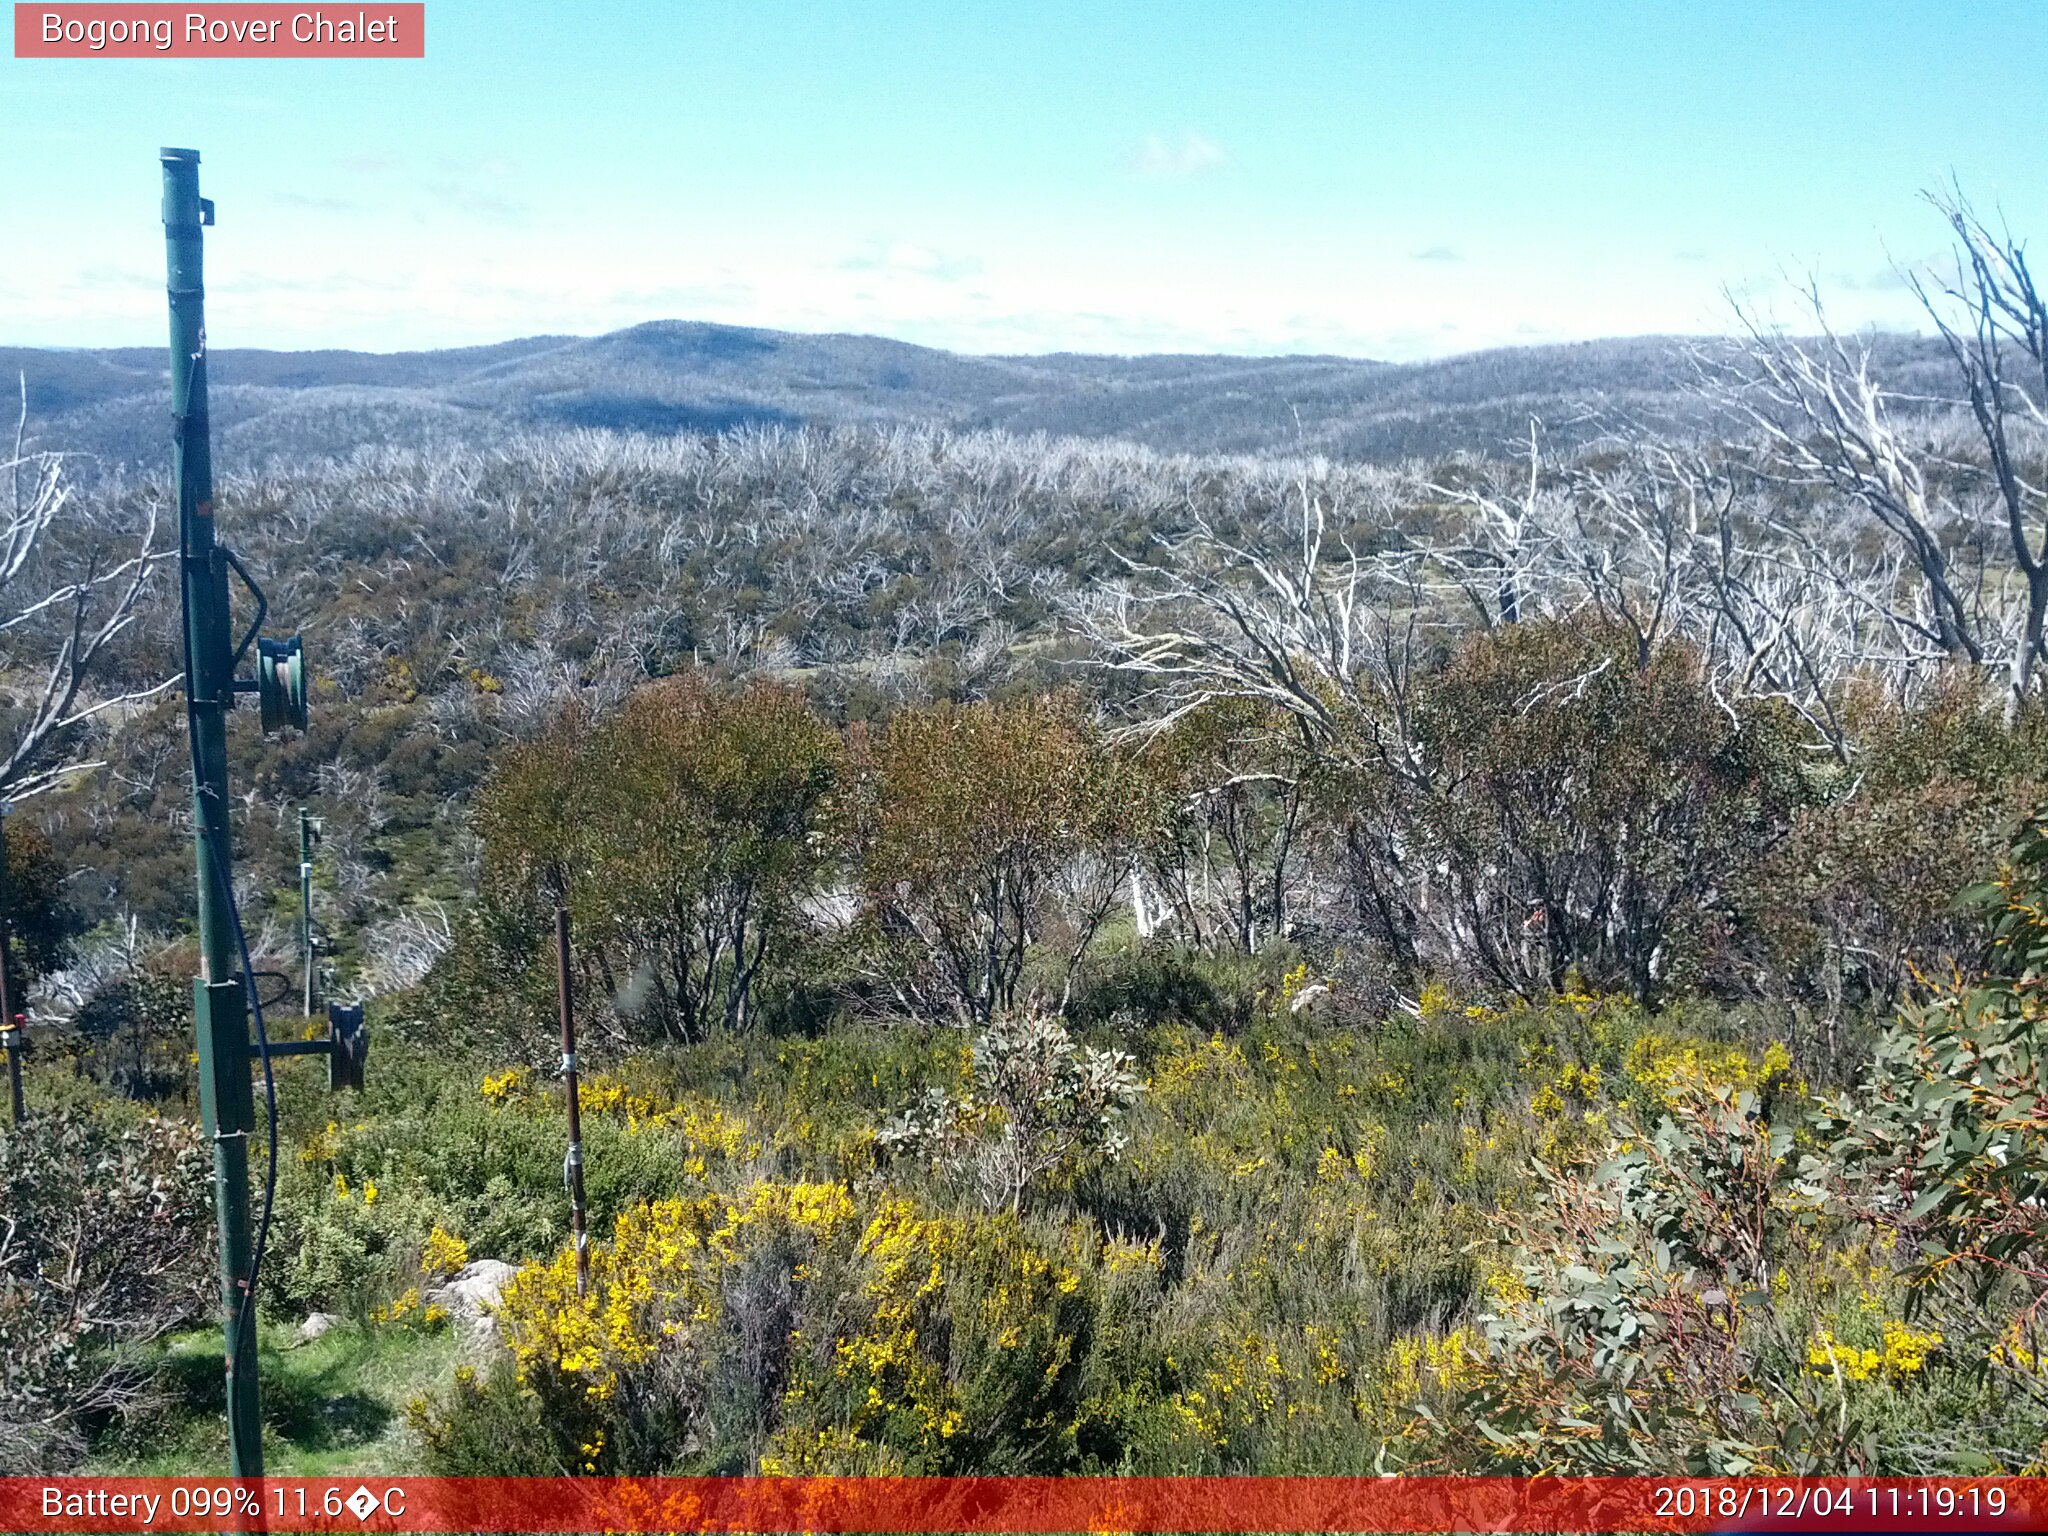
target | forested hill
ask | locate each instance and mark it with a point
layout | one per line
(680, 376)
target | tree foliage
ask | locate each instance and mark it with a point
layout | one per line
(978, 831)
(1945, 1142)
(683, 833)
(1592, 811)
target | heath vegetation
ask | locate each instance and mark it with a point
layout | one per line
(1090, 959)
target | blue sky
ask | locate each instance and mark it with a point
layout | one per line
(1377, 179)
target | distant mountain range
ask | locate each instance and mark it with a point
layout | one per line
(679, 376)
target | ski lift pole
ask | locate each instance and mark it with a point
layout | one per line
(572, 1165)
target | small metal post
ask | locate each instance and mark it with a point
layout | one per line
(13, 1039)
(11, 1042)
(572, 1166)
(308, 835)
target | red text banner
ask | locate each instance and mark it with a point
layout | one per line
(115, 31)
(994, 1504)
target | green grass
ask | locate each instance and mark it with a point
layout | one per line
(336, 1405)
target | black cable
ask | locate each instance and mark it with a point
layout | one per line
(290, 983)
(262, 1242)
(245, 1306)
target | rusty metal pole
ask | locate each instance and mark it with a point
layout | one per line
(309, 834)
(13, 1038)
(572, 1165)
(11, 1043)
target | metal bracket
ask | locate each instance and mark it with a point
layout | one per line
(234, 563)
(346, 1045)
(351, 1037)
(281, 684)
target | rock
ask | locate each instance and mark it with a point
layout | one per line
(317, 1326)
(468, 1299)
(470, 1293)
(1315, 1000)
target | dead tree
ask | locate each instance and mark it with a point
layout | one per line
(1824, 423)
(1991, 316)
(71, 583)
(1508, 527)
(1969, 521)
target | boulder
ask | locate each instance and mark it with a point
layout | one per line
(317, 1326)
(468, 1299)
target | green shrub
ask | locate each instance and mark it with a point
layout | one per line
(1942, 1148)
(1862, 893)
(1593, 805)
(977, 833)
(1037, 1106)
(107, 1230)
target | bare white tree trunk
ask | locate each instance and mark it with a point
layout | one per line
(60, 611)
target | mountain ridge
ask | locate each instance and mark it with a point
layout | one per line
(678, 375)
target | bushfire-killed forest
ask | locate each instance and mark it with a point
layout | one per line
(1514, 955)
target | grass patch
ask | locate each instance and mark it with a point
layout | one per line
(335, 1405)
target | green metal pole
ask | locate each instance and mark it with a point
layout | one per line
(220, 1011)
(306, 903)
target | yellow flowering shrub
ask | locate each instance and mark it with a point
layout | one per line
(1243, 1382)
(1673, 1070)
(940, 1341)
(320, 1146)
(1417, 1364)
(1906, 1349)
(503, 1087)
(1903, 1353)
(444, 1253)
(655, 1282)
(409, 1310)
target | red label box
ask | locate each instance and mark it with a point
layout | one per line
(114, 31)
(1021, 1506)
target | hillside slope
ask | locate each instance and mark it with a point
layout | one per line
(680, 376)
(671, 376)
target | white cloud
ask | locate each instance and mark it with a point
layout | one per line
(1189, 155)
(294, 280)
(899, 256)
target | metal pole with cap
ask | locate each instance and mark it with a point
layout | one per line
(220, 1011)
(213, 657)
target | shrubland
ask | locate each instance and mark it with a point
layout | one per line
(1092, 960)
(1173, 1200)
